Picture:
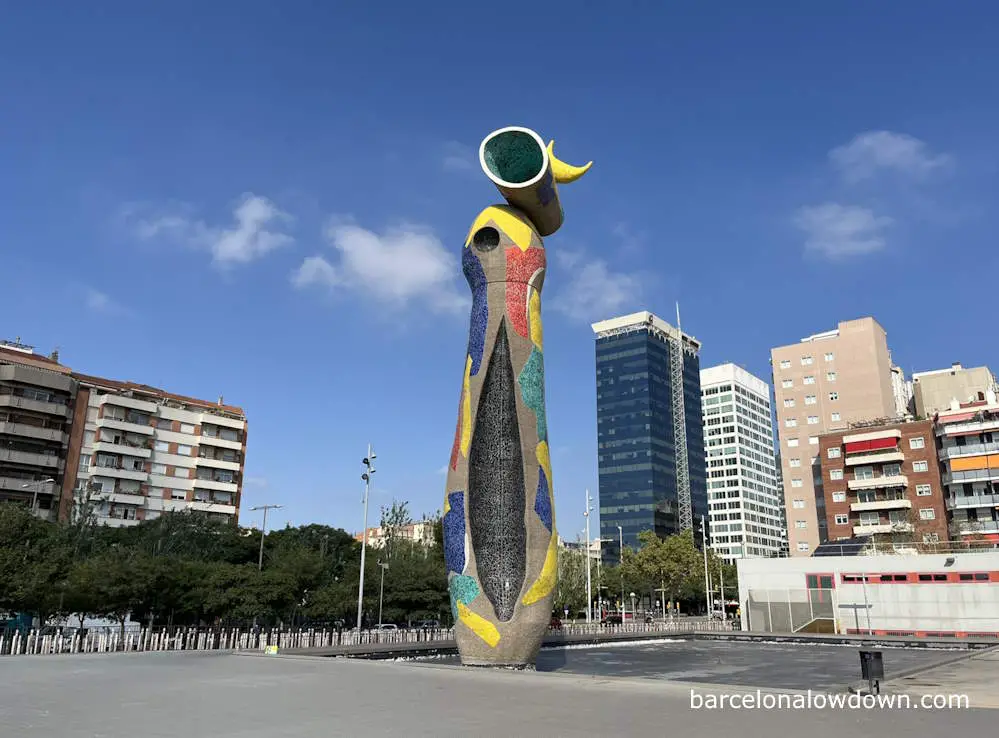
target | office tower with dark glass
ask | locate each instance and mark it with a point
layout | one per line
(638, 431)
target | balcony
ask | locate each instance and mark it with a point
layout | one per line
(124, 425)
(30, 431)
(118, 473)
(887, 456)
(117, 522)
(975, 426)
(887, 504)
(129, 402)
(124, 498)
(960, 501)
(971, 449)
(204, 440)
(38, 406)
(895, 480)
(127, 449)
(969, 528)
(30, 459)
(870, 530)
(217, 463)
(212, 484)
(17, 484)
(973, 475)
(215, 507)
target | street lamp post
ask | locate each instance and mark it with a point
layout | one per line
(369, 469)
(620, 538)
(381, 591)
(707, 584)
(34, 495)
(263, 531)
(589, 591)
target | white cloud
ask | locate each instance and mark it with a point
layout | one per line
(591, 290)
(835, 231)
(102, 303)
(458, 158)
(256, 231)
(874, 151)
(405, 264)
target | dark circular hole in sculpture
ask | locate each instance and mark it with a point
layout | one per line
(486, 239)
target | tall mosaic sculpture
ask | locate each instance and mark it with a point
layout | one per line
(500, 544)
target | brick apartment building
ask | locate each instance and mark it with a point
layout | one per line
(883, 480)
(129, 450)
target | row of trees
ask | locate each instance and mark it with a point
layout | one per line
(185, 569)
(674, 565)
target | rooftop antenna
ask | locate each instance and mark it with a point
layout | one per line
(680, 428)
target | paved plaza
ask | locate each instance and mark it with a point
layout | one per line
(253, 696)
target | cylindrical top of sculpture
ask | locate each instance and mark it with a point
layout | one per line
(500, 544)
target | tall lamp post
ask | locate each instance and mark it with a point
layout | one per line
(34, 495)
(707, 583)
(263, 531)
(369, 469)
(381, 591)
(589, 587)
(620, 551)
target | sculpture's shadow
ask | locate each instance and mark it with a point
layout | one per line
(551, 658)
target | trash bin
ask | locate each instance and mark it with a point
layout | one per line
(872, 668)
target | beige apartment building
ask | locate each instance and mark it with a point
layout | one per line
(937, 390)
(825, 383)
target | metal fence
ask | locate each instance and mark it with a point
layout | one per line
(71, 641)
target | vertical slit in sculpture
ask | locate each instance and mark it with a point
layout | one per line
(496, 496)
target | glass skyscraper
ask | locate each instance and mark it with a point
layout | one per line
(635, 442)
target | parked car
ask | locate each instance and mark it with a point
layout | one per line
(556, 623)
(430, 624)
(387, 626)
(611, 618)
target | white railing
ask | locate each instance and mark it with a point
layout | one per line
(110, 640)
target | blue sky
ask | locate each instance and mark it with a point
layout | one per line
(267, 200)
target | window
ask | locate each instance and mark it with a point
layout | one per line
(88, 437)
(789, 402)
(792, 443)
(842, 520)
(829, 356)
(927, 513)
(891, 470)
(923, 490)
(186, 428)
(813, 440)
(920, 466)
(833, 453)
(800, 524)
(787, 383)
(834, 417)
(839, 497)
(836, 474)
(931, 538)
(809, 399)
(813, 419)
(806, 360)
(91, 414)
(833, 396)
(159, 469)
(183, 450)
(802, 546)
(180, 471)
(785, 364)
(830, 376)
(164, 424)
(790, 422)
(870, 518)
(178, 494)
(794, 463)
(798, 504)
(808, 380)
(162, 446)
(863, 472)
(796, 483)
(917, 442)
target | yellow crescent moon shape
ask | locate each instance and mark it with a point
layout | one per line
(563, 172)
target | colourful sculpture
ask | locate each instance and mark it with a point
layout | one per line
(500, 545)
